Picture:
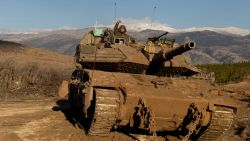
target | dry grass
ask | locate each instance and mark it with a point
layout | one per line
(29, 71)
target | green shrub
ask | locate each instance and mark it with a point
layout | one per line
(225, 73)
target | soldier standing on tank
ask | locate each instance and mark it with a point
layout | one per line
(107, 38)
(120, 30)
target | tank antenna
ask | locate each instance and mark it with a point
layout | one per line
(153, 16)
(115, 10)
(95, 24)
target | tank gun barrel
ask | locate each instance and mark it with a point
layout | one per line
(179, 50)
(159, 59)
(154, 39)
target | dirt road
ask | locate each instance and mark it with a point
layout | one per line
(36, 120)
(44, 121)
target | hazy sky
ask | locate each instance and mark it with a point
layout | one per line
(28, 14)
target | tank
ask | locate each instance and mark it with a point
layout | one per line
(148, 89)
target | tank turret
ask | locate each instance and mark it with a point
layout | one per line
(116, 51)
(162, 56)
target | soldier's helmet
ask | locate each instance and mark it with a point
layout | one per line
(122, 29)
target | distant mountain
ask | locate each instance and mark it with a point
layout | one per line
(247, 36)
(62, 41)
(212, 47)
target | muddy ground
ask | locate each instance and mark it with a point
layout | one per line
(41, 120)
(46, 120)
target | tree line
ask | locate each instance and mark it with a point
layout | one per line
(228, 72)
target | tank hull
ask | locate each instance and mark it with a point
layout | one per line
(169, 100)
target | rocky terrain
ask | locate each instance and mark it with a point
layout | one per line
(212, 47)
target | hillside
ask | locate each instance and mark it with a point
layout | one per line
(212, 47)
(30, 71)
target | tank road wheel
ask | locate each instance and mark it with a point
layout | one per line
(105, 112)
(222, 120)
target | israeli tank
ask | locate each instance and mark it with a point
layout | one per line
(149, 89)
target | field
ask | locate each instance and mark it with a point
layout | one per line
(29, 72)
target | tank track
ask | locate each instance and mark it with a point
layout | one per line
(106, 112)
(222, 120)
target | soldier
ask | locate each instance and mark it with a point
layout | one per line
(120, 35)
(119, 30)
(107, 38)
